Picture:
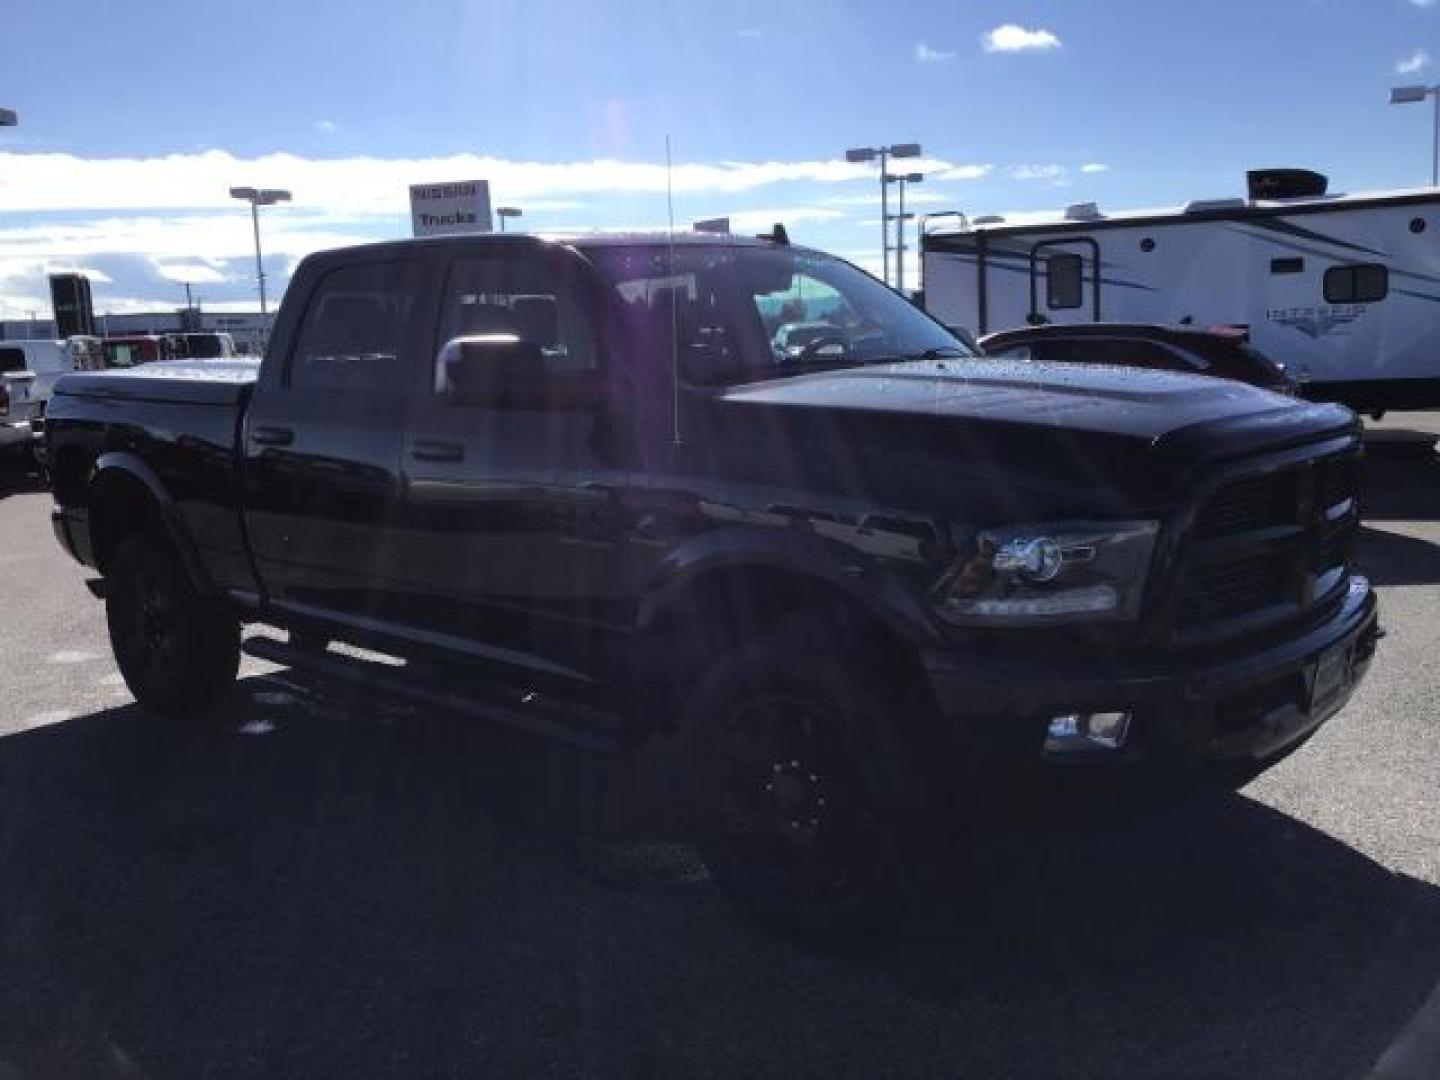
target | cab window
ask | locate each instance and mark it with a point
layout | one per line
(357, 333)
(530, 298)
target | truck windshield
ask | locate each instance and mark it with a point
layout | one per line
(740, 313)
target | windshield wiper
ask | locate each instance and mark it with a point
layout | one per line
(940, 352)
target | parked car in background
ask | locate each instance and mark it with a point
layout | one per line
(205, 346)
(1225, 353)
(128, 351)
(28, 371)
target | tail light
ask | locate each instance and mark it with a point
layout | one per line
(4, 400)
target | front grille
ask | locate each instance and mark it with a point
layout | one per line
(1230, 589)
(1266, 547)
(1250, 503)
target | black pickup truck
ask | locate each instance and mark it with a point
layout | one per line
(575, 485)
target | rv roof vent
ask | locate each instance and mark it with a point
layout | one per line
(989, 219)
(1285, 184)
(1083, 211)
(1199, 206)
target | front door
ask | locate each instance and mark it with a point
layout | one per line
(511, 511)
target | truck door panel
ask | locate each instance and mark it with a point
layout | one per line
(322, 443)
(511, 509)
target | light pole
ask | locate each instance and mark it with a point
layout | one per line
(1409, 95)
(258, 197)
(901, 179)
(884, 154)
(503, 212)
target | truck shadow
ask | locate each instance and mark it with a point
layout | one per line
(352, 890)
(1393, 558)
(1402, 482)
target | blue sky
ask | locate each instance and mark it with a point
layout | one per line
(136, 118)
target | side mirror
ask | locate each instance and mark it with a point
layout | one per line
(488, 369)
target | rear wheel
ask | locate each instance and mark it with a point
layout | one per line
(177, 650)
(807, 802)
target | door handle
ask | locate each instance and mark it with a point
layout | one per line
(272, 436)
(437, 450)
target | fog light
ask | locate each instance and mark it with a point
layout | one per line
(1065, 727)
(1071, 733)
(1108, 729)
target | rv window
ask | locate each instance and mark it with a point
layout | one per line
(12, 360)
(1364, 283)
(1064, 285)
(1287, 266)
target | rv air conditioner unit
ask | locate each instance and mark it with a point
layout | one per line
(1285, 184)
(1083, 211)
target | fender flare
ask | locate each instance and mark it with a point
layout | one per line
(828, 563)
(127, 464)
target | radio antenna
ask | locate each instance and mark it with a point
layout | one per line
(676, 440)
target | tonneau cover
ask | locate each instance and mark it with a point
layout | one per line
(198, 382)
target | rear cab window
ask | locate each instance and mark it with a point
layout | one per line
(357, 334)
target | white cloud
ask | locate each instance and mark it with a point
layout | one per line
(912, 195)
(140, 225)
(964, 172)
(327, 126)
(1094, 167)
(1417, 61)
(1050, 173)
(195, 273)
(1423, 3)
(927, 55)
(363, 184)
(1012, 38)
(750, 32)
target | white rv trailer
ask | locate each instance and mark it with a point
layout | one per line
(1344, 290)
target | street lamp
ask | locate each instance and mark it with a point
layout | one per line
(258, 197)
(902, 179)
(503, 212)
(8, 118)
(1410, 95)
(883, 154)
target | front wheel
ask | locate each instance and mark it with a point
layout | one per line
(806, 799)
(177, 650)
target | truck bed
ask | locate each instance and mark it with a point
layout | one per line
(171, 426)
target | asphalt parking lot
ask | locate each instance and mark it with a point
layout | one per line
(318, 885)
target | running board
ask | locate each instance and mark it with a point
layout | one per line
(525, 711)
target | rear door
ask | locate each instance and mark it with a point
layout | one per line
(322, 441)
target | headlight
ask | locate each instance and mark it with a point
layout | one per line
(1036, 574)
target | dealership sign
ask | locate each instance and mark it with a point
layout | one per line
(437, 209)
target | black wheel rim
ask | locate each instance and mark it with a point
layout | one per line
(148, 629)
(793, 816)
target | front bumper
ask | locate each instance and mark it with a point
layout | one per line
(1248, 707)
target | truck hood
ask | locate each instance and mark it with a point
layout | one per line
(1101, 434)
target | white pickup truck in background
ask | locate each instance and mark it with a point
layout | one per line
(28, 371)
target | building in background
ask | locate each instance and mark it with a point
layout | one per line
(246, 327)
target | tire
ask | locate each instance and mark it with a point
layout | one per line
(178, 651)
(806, 797)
